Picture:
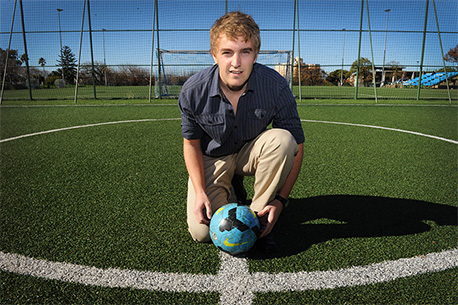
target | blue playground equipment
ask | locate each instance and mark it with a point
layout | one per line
(430, 79)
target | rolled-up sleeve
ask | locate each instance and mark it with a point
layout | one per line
(287, 116)
(189, 127)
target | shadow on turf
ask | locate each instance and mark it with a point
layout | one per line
(353, 216)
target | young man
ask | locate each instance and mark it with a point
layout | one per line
(225, 112)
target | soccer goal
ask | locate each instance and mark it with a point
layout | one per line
(174, 67)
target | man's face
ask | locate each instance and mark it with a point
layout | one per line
(235, 60)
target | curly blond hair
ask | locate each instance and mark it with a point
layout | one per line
(234, 25)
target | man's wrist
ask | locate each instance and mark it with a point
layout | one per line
(282, 200)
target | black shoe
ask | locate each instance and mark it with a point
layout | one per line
(239, 189)
(266, 244)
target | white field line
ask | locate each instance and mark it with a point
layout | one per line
(234, 282)
(84, 126)
(385, 128)
(176, 119)
(358, 275)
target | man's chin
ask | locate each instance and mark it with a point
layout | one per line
(236, 88)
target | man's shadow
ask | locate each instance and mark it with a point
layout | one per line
(299, 226)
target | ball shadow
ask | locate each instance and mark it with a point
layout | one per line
(354, 216)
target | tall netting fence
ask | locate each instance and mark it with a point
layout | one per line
(326, 49)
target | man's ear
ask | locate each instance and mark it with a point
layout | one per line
(214, 57)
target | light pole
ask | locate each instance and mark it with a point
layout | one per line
(104, 58)
(384, 49)
(343, 52)
(60, 37)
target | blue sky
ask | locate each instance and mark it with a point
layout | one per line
(128, 27)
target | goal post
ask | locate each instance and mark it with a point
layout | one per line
(174, 67)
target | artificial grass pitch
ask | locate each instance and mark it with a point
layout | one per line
(113, 196)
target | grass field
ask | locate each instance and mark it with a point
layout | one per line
(113, 196)
(386, 95)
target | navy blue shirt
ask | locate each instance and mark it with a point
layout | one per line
(208, 116)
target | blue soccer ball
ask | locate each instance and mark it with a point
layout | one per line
(234, 228)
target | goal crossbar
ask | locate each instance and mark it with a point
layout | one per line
(163, 79)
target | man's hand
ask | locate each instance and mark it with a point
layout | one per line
(273, 211)
(202, 209)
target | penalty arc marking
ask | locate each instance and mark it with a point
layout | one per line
(234, 282)
(176, 119)
(384, 128)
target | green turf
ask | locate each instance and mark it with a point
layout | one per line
(20, 289)
(433, 288)
(140, 93)
(114, 196)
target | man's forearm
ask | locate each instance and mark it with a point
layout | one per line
(194, 161)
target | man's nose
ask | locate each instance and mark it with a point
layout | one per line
(236, 60)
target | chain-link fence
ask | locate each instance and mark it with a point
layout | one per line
(147, 49)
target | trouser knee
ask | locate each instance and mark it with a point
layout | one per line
(285, 143)
(200, 234)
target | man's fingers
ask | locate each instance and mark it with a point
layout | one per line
(266, 230)
(204, 220)
(261, 213)
(209, 214)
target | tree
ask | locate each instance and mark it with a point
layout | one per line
(395, 69)
(452, 55)
(24, 58)
(334, 76)
(67, 62)
(365, 70)
(129, 76)
(311, 74)
(85, 76)
(42, 63)
(14, 73)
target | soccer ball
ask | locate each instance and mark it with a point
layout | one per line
(234, 228)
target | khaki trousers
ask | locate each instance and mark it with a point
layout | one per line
(269, 158)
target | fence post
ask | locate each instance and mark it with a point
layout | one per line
(79, 53)
(359, 49)
(423, 50)
(25, 50)
(159, 78)
(92, 49)
(294, 40)
(374, 74)
(8, 52)
(442, 53)
(152, 53)
(299, 66)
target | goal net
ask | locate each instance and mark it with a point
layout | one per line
(174, 67)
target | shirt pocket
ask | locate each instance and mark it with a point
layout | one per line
(258, 120)
(261, 114)
(213, 125)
